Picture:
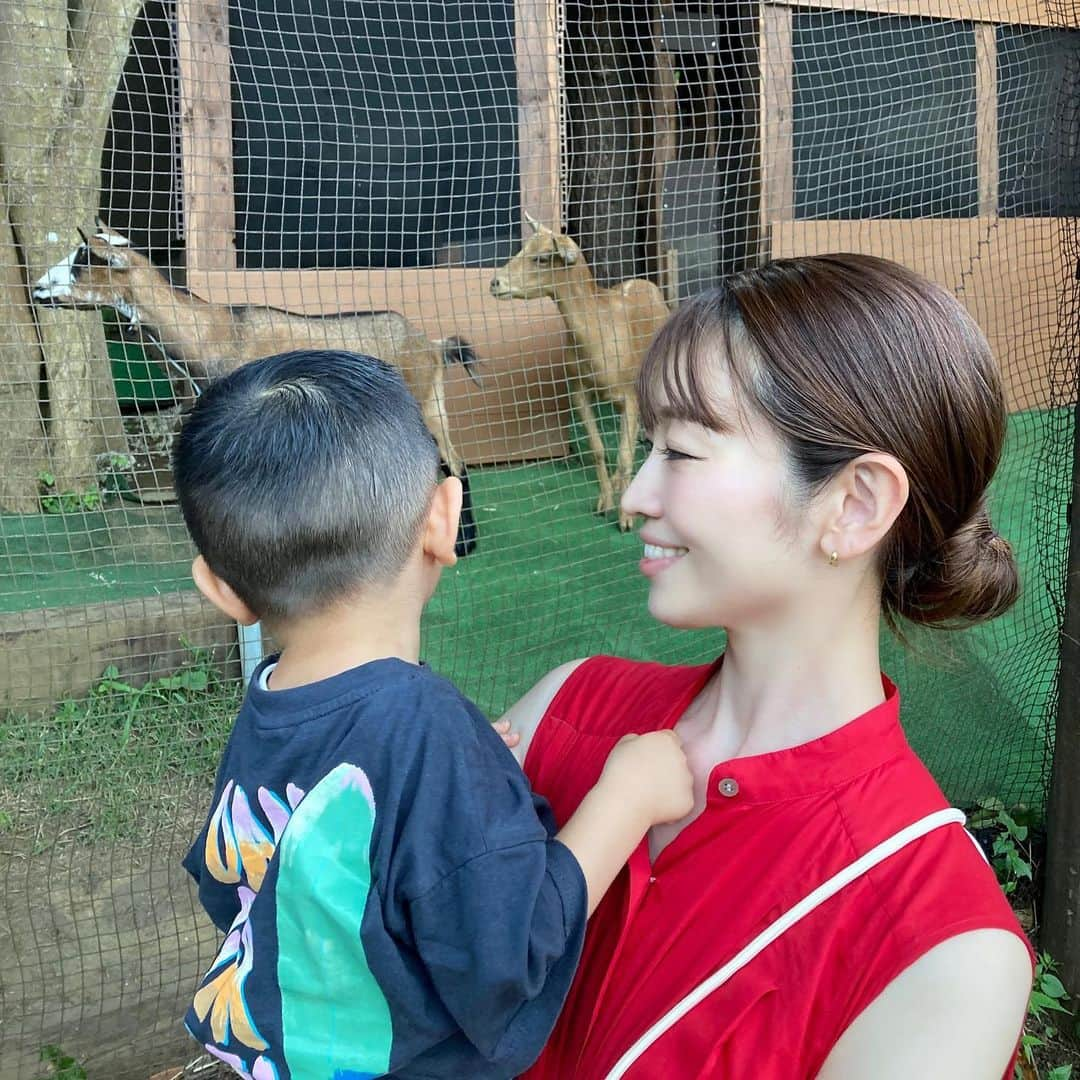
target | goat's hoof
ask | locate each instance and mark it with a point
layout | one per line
(626, 522)
(605, 504)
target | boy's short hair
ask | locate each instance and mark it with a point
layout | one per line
(305, 476)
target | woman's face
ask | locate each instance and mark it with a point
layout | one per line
(726, 543)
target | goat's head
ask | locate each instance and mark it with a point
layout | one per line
(539, 268)
(92, 276)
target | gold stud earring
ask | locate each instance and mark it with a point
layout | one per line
(834, 558)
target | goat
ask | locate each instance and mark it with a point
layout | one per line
(204, 340)
(610, 330)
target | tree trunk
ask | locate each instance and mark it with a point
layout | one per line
(23, 452)
(60, 61)
(609, 142)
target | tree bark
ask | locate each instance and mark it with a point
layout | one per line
(23, 451)
(60, 62)
(609, 143)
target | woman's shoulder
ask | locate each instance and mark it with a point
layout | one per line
(632, 695)
(602, 695)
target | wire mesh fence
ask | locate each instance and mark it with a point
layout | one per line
(275, 173)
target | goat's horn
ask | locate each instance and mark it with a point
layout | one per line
(82, 234)
(531, 220)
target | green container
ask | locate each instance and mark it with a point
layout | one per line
(138, 379)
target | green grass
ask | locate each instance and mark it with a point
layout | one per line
(549, 582)
(122, 761)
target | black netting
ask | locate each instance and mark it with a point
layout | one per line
(323, 157)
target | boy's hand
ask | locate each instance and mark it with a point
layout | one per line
(651, 771)
(511, 738)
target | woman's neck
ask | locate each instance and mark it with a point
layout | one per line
(776, 690)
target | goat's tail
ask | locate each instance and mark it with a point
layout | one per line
(456, 350)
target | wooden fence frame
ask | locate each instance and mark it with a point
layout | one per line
(516, 415)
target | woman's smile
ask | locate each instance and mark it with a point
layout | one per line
(657, 559)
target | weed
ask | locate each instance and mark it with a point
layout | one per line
(113, 481)
(112, 762)
(53, 501)
(61, 1066)
(1010, 853)
(1048, 1002)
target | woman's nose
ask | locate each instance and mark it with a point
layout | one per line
(640, 496)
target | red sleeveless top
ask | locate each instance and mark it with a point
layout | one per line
(775, 826)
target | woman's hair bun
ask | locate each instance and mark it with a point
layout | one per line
(970, 578)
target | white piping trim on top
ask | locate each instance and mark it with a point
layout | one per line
(793, 915)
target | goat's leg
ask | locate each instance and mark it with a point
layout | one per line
(434, 411)
(583, 406)
(628, 433)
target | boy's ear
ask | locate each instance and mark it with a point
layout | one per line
(440, 532)
(220, 593)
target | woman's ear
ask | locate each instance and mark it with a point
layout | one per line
(865, 499)
(220, 593)
(440, 532)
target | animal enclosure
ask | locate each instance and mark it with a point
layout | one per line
(321, 167)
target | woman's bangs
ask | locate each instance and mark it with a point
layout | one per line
(672, 382)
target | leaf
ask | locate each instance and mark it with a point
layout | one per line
(1040, 1001)
(197, 679)
(1051, 985)
(1062, 1072)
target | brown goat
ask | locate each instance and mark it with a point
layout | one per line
(610, 330)
(205, 340)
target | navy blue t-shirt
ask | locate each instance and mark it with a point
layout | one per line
(392, 895)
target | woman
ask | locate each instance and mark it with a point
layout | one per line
(824, 430)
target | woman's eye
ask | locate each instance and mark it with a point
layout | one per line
(667, 452)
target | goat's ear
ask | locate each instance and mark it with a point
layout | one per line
(568, 252)
(103, 251)
(110, 236)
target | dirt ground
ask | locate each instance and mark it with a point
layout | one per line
(101, 946)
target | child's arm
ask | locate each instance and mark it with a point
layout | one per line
(646, 781)
(501, 936)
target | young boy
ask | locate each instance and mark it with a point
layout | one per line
(394, 897)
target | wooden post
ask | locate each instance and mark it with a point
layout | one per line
(777, 132)
(986, 117)
(665, 143)
(1061, 901)
(206, 133)
(537, 33)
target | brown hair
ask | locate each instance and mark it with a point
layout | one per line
(849, 354)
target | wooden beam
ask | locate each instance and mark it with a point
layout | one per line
(206, 133)
(777, 128)
(712, 113)
(1010, 273)
(665, 146)
(986, 117)
(1014, 12)
(54, 653)
(536, 46)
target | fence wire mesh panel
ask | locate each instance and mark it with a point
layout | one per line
(189, 184)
